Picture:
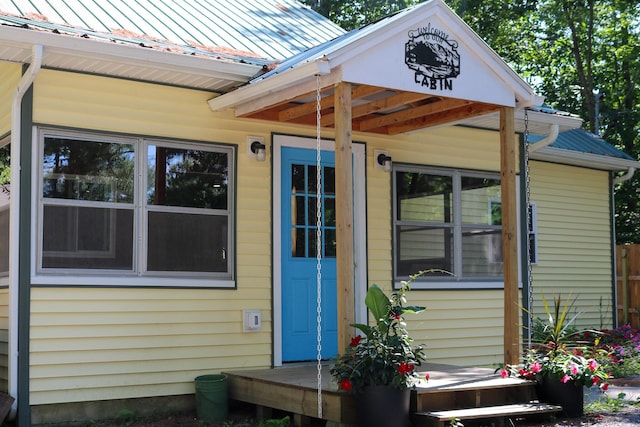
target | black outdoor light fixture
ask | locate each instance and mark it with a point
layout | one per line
(384, 161)
(259, 150)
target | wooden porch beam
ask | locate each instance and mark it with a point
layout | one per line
(345, 272)
(509, 235)
(393, 101)
(412, 113)
(326, 102)
(453, 115)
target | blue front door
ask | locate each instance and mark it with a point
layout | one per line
(299, 262)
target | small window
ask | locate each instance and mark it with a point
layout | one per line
(532, 234)
(447, 221)
(134, 205)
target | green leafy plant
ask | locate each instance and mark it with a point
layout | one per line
(610, 404)
(558, 355)
(282, 422)
(385, 355)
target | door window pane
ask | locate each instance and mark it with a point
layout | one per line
(305, 210)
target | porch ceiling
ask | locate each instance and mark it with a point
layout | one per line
(374, 109)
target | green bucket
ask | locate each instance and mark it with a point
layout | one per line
(211, 397)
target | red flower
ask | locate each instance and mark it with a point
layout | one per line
(565, 379)
(593, 365)
(427, 376)
(504, 373)
(605, 387)
(355, 340)
(346, 385)
(536, 367)
(595, 380)
(405, 368)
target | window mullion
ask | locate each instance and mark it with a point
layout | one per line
(140, 214)
(457, 225)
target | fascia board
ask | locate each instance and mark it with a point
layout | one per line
(275, 83)
(56, 44)
(576, 158)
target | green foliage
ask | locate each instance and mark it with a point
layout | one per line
(126, 417)
(558, 354)
(5, 170)
(606, 403)
(283, 422)
(351, 14)
(385, 355)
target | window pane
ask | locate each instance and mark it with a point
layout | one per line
(481, 252)
(187, 242)
(480, 201)
(423, 248)
(187, 178)
(4, 237)
(87, 170)
(87, 238)
(424, 197)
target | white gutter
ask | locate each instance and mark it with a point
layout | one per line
(549, 139)
(627, 176)
(588, 160)
(14, 221)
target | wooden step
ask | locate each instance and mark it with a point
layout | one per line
(439, 418)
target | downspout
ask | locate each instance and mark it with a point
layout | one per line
(14, 220)
(549, 139)
(617, 180)
(626, 177)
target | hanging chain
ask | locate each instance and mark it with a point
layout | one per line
(529, 225)
(319, 244)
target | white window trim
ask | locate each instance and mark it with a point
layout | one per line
(445, 283)
(137, 277)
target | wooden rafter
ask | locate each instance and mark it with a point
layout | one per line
(375, 109)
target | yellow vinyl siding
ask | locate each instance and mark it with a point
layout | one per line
(9, 78)
(92, 344)
(574, 240)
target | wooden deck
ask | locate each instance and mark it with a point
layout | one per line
(294, 389)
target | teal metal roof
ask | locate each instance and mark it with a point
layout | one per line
(584, 142)
(272, 29)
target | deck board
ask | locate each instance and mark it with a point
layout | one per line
(294, 389)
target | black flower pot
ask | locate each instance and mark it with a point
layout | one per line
(569, 395)
(383, 406)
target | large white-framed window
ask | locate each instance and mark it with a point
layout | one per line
(447, 222)
(5, 171)
(143, 207)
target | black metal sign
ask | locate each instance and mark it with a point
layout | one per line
(433, 57)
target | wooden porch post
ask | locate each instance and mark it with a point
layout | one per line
(344, 214)
(509, 235)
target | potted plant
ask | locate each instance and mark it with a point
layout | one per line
(379, 368)
(560, 364)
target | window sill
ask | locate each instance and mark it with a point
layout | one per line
(122, 281)
(454, 285)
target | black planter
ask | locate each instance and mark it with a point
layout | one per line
(568, 395)
(382, 406)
